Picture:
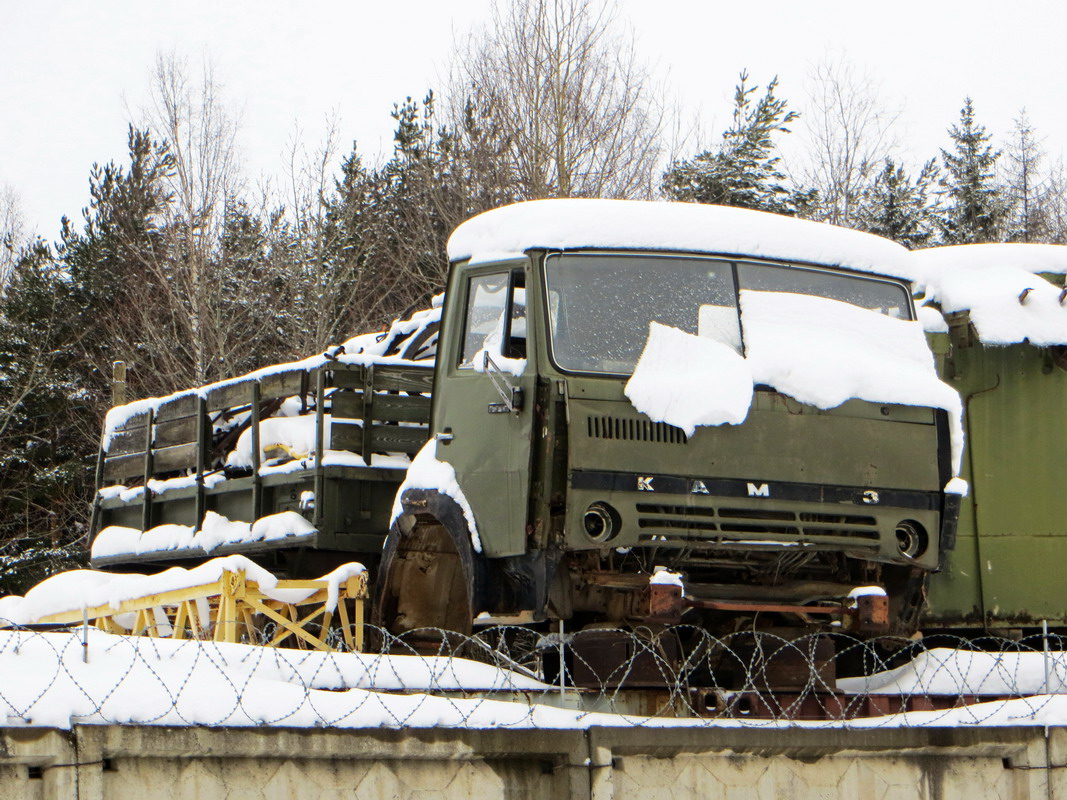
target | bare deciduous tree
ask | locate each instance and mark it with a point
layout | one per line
(201, 135)
(1055, 205)
(316, 286)
(848, 135)
(201, 302)
(326, 250)
(566, 91)
(1025, 186)
(12, 232)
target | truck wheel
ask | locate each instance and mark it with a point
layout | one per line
(425, 593)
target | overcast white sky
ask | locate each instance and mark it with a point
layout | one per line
(69, 71)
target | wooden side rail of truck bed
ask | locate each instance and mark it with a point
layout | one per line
(346, 414)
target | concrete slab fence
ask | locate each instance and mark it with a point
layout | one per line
(91, 762)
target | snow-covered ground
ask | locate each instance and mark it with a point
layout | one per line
(57, 678)
(54, 680)
(950, 671)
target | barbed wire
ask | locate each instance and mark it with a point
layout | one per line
(519, 677)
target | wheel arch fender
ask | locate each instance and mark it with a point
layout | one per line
(426, 506)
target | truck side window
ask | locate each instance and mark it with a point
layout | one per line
(496, 318)
(516, 344)
(487, 303)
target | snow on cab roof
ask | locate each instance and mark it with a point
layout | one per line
(688, 227)
(998, 284)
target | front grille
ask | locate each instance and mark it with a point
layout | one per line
(667, 525)
(653, 508)
(634, 430)
(840, 519)
(688, 524)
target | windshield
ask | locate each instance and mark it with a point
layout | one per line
(600, 305)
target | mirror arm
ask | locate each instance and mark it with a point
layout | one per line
(509, 393)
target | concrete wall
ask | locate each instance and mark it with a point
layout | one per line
(119, 762)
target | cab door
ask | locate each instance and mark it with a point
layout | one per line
(483, 401)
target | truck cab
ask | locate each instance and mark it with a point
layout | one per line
(565, 479)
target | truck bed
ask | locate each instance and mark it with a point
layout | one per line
(328, 439)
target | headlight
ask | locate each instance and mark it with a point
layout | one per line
(912, 540)
(601, 522)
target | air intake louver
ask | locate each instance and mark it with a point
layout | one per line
(635, 430)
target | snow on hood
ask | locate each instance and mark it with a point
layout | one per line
(822, 352)
(998, 284)
(690, 380)
(689, 227)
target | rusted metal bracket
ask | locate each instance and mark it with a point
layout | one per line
(870, 614)
(665, 603)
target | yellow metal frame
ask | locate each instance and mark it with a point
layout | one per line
(225, 611)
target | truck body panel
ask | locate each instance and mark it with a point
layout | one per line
(1011, 523)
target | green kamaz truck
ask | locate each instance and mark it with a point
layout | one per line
(619, 414)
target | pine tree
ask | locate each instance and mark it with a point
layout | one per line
(387, 228)
(974, 210)
(65, 314)
(117, 294)
(744, 170)
(899, 208)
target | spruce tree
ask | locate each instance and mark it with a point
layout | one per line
(47, 428)
(744, 170)
(974, 210)
(899, 208)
